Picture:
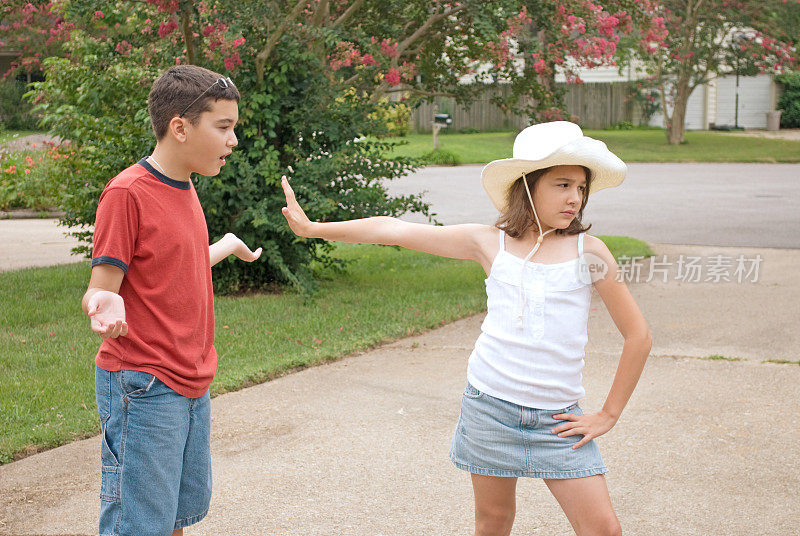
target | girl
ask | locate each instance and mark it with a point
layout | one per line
(519, 412)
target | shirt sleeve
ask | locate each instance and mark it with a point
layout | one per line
(116, 229)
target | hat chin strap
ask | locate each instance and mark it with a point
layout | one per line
(523, 297)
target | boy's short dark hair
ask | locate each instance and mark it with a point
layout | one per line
(177, 87)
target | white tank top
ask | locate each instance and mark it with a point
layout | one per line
(536, 363)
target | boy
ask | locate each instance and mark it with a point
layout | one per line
(151, 268)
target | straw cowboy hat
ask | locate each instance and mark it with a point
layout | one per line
(551, 144)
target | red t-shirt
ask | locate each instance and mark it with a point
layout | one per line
(154, 229)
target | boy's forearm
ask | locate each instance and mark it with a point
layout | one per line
(220, 249)
(375, 230)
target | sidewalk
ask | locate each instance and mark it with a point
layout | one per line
(28, 242)
(359, 447)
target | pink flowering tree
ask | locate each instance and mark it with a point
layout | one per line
(687, 43)
(461, 49)
(312, 74)
(36, 30)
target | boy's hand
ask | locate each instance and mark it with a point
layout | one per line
(297, 219)
(240, 249)
(106, 312)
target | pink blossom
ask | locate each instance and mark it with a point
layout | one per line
(388, 49)
(124, 48)
(167, 28)
(367, 59)
(232, 61)
(98, 14)
(392, 77)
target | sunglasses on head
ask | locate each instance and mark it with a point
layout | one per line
(224, 83)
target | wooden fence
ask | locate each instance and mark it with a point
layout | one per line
(593, 105)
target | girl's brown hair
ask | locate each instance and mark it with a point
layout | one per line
(518, 217)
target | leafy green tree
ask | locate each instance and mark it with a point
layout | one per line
(313, 75)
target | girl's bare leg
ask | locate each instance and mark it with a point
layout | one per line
(587, 505)
(495, 504)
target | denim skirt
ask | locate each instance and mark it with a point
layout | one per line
(495, 437)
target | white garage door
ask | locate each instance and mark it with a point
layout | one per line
(755, 97)
(694, 112)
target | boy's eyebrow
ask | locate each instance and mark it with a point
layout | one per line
(225, 120)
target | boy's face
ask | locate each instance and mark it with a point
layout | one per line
(212, 139)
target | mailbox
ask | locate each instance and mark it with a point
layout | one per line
(442, 120)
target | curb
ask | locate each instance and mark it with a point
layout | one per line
(27, 214)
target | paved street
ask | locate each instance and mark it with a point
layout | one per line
(703, 204)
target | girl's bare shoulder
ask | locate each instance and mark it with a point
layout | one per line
(592, 244)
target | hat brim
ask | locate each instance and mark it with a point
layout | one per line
(606, 167)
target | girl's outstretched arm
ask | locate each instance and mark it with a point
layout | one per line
(466, 241)
(638, 341)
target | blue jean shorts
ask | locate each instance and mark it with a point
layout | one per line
(155, 455)
(495, 437)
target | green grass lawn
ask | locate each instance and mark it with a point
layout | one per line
(630, 145)
(47, 351)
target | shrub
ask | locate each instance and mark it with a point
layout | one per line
(789, 102)
(15, 111)
(27, 179)
(441, 157)
(621, 125)
(394, 116)
(292, 122)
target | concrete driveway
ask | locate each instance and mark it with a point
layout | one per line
(359, 447)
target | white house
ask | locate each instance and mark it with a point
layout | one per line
(709, 104)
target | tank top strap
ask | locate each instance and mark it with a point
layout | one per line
(580, 245)
(502, 240)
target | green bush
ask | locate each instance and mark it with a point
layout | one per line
(441, 157)
(468, 130)
(27, 179)
(293, 122)
(621, 125)
(789, 102)
(15, 111)
(395, 116)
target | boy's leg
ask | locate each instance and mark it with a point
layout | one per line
(495, 504)
(587, 504)
(143, 446)
(194, 496)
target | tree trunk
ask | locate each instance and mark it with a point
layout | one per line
(675, 127)
(188, 35)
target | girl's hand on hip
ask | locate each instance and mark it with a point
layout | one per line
(590, 425)
(295, 216)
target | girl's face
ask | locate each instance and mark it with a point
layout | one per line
(558, 195)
